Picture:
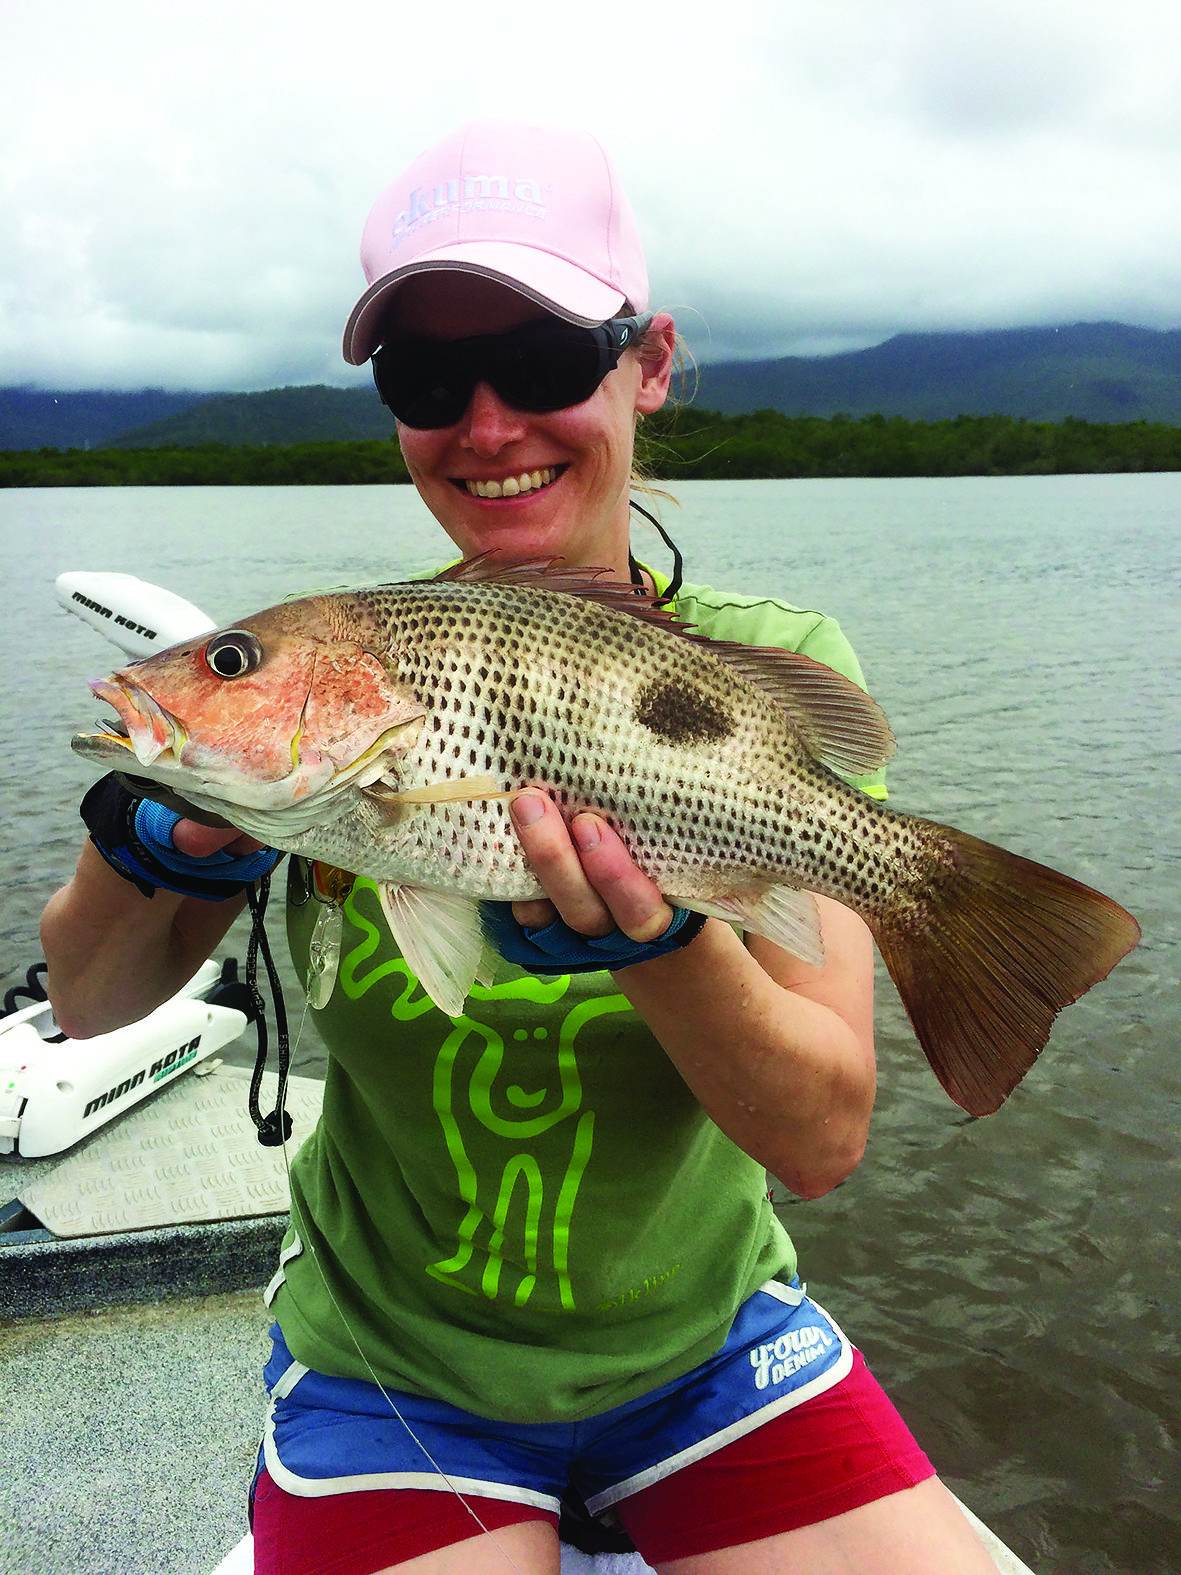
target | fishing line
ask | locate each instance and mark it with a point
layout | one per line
(310, 1247)
(274, 1130)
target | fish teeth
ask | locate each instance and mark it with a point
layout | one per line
(512, 486)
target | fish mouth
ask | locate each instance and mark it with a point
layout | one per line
(142, 726)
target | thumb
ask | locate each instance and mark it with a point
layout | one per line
(198, 841)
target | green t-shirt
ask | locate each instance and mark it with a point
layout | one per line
(522, 1210)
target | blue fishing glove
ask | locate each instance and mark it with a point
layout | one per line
(559, 949)
(134, 836)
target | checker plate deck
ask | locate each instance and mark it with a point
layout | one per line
(187, 1156)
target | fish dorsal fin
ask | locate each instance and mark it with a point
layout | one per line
(593, 585)
(551, 574)
(838, 723)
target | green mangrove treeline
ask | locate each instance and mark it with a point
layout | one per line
(206, 465)
(678, 444)
(684, 442)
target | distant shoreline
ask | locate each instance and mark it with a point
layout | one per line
(681, 444)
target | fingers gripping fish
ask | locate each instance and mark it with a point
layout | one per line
(385, 730)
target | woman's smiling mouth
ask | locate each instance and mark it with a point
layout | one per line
(513, 486)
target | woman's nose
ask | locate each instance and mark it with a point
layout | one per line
(489, 424)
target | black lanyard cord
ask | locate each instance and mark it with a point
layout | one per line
(273, 1129)
(637, 574)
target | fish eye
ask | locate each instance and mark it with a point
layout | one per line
(233, 654)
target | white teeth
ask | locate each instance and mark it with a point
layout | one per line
(512, 486)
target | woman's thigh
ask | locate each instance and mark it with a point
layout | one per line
(529, 1547)
(808, 1466)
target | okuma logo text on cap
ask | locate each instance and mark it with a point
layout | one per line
(468, 194)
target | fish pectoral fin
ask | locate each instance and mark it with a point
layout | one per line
(441, 937)
(455, 790)
(784, 915)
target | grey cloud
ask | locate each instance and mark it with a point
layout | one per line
(183, 206)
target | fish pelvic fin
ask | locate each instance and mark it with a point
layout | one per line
(987, 954)
(440, 936)
(454, 790)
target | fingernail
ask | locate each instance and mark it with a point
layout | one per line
(586, 833)
(528, 808)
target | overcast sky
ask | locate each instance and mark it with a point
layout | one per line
(182, 187)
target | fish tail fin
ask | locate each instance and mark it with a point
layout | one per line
(987, 954)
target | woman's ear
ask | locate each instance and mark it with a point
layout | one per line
(656, 354)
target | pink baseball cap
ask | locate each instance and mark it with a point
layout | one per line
(538, 208)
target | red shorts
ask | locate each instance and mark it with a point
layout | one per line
(846, 1447)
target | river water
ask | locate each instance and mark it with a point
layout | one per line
(1014, 1282)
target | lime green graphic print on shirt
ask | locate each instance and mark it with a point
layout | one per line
(519, 1153)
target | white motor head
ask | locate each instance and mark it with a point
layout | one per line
(138, 617)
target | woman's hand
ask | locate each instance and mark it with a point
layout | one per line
(593, 885)
(117, 947)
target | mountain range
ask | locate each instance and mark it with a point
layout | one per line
(1092, 371)
(1101, 372)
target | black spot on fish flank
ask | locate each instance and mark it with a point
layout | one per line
(680, 714)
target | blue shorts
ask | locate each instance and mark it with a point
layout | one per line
(327, 1435)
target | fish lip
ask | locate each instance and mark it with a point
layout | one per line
(151, 730)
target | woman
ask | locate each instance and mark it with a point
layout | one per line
(531, 1246)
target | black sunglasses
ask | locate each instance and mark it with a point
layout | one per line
(429, 383)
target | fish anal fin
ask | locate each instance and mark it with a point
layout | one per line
(987, 954)
(784, 915)
(440, 936)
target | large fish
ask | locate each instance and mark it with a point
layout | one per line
(385, 731)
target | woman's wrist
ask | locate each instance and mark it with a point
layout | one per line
(555, 948)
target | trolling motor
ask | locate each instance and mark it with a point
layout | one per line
(137, 617)
(54, 1091)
